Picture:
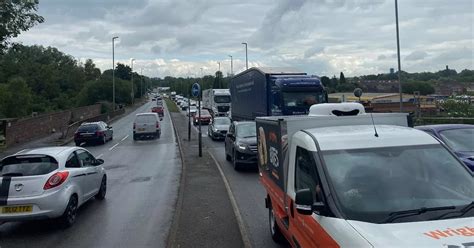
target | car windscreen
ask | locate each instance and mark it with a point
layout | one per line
(89, 128)
(370, 184)
(222, 99)
(27, 165)
(246, 130)
(461, 140)
(146, 119)
(222, 121)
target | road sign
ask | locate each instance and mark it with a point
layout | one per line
(196, 90)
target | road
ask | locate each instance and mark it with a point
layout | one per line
(248, 192)
(143, 179)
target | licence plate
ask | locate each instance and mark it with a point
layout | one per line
(141, 129)
(17, 209)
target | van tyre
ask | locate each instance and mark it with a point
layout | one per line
(102, 190)
(277, 236)
(69, 216)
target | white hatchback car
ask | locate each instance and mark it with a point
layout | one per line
(51, 182)
(146, 124)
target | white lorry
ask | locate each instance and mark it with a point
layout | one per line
(217, 101)
(343, 178)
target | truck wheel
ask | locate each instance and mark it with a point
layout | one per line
(234, 161)
(277, 236)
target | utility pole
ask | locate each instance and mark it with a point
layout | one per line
(113, 72)
(231, 66)
(398, 55)
(141, 83)
(219, 63)
(246, 56)
(133, 96)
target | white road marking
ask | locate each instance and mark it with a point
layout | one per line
(110, 149)
(100, 155)
(124, 138)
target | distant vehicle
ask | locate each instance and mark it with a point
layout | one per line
(98, 132)
(159, 110)
(184, 105)
(459, 137)
(359, 184)
(218, 127)
(173, 95)
(205, 118)
(217, 101)
(51, 182)
(192, 110)
(153, 99)
(241, 144)
(274, 92)
(146, 125)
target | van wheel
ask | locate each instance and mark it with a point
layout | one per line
(69, 216)
(277, 236)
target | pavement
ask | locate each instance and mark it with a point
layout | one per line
(143, 182)
(205, 214)
(243, 187)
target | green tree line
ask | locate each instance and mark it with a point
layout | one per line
(42, 79)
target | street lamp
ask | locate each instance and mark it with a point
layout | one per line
(133, 96)
(113, 72)
(246, 55)
(231, 65)
(398, 55)
(141, 83)
(219, 63)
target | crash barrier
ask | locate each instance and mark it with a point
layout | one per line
(71, 129)
(443, 120)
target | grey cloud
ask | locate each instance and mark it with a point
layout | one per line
(156, 49)
(381, 57)
(312, 51)
(456, 54)
(416, 55)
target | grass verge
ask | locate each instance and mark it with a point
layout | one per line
(171, 105)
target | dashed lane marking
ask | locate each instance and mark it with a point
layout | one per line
(124, 138)
(111, 148)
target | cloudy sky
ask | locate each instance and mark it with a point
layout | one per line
(322, 37)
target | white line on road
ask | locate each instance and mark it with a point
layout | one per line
(100, 155)
(110, 149)
(124, 138)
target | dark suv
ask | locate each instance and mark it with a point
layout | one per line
(93, 132)
(241, 144)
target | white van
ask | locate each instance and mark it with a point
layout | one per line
(146, 125)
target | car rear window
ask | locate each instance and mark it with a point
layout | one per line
(27, 165)
(88, 128)
(145, 118)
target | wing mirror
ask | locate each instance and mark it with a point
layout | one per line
(305, 204)
(98, 162)
(109, 127)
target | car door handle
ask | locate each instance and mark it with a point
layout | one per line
(80, 175)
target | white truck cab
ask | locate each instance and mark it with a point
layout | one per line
(344, 178)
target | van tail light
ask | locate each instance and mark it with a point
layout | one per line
(56, 179)
(157, 125)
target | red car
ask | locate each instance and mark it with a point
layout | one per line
(158, 110)
(205, 117)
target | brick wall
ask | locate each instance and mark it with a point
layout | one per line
(27, 129)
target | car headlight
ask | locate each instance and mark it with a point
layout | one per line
(241, 146)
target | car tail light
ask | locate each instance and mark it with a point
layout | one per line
(56, 179)
(157, 125)
(99, 133)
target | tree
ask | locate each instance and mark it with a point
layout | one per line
(123, 72)
(15, 17)
(218, 81)
(325, 81)
(16, 98)
(423, 87)
(342, 79)
(458, 108)
(90, 71)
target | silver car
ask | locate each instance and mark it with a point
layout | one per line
(51, 182)
(146, 125)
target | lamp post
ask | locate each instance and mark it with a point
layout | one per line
(219, 63)
(113, 72)
(398, 55)
(246, 56)
(141, 83)
(133, 96)
(231, 66)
